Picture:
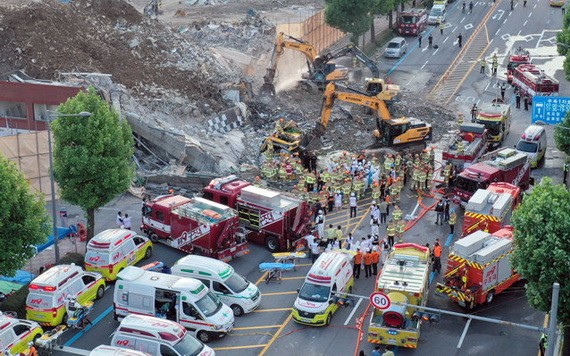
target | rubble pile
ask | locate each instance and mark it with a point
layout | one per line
(109, 36)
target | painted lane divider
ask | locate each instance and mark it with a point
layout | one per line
(89, 327)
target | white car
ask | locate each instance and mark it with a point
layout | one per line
(396, 48)
(436, 14)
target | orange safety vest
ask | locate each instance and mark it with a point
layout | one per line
(358, 258)
(368, 259)
(375, 256)
(437, 251)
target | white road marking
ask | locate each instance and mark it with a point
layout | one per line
(353, 311)
(496, 33)
(434, 52)
(75, 351)
(454, 29)
(487, 87)
(534, 7)
(530, 14)
(490, 41)
(505, 20)
(518, 34)
(424, 49)
(463, 19)
(422, 67)
(524, 24)
(445, 39)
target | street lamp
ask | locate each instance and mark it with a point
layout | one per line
(557, 126)
(52, 115)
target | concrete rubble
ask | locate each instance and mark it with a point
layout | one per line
(183, 87)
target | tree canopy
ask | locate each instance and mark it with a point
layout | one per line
(23, 219)
(351, 16)
(563, 41)
(92, 155)
(542, 239)
(562, 135)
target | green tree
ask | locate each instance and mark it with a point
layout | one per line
(562, 135)
(351, 16)
(23, 218)
(542, 253)
(385, 7)
(92, 155)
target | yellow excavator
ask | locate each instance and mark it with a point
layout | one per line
(389, 131)
(321, 70)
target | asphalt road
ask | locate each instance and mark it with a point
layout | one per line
(270, 330)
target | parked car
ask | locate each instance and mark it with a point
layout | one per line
(436, 14)
(396, 48)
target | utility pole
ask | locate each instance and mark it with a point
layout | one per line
(552, 326)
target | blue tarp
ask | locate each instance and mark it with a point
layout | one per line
(21, 277)
(62, 232)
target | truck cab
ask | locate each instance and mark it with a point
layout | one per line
(412, 22)
(496, 117)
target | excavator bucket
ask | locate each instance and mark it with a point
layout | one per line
(312, 140)
(267, 90)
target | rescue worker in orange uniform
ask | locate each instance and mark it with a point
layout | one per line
(368, 264)
(437, 257)
(357, 263)
(375, 259)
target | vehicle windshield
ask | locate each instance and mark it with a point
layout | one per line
(97, 258)
(494, 127)
(236, 283)
(314, 293)
(409, 19)
(436, 12)
(394, 45)
(469, 185)
(525, 146)
(209, 304)
(189, 346)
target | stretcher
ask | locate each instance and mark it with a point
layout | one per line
(288, 257)
(50, 339)
(275, 269)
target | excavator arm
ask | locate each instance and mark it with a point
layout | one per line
(285, 41)
(352, 49)
(356, 97)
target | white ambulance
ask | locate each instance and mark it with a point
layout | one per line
(105, 350)
(184, 300)
(533, 144)
(317, 300)
(157, 337)
(234, 290)
(16, 334)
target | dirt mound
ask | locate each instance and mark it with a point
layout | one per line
(106, 36)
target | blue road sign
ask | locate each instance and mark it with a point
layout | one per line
(550, 109)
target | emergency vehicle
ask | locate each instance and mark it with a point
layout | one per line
(502, 165)
(516, 58)
(184, 300)
(194, 225)
(112, 250)
(16, 334)
(479, 267)
(466, 145)
(317, 300)
(50, 291)
(533, 144)
(233, 290)
(490, 209)
(532, 81)
(405, 279)
(412, 21)
(157, 337)
(496, 116)
(266, 216)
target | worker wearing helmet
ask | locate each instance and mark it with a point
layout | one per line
(279, 126)
(72, 306)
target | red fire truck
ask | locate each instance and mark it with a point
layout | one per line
(490, 209)
(412, 21)
(466, 145)
(196, 225)
(502, 165)
(516, 58)
(532, 81)
(479, 267)
(267, 217)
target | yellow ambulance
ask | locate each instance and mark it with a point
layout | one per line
(111, 251)
(50, 291)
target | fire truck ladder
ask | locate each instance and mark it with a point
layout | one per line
(449, 83)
